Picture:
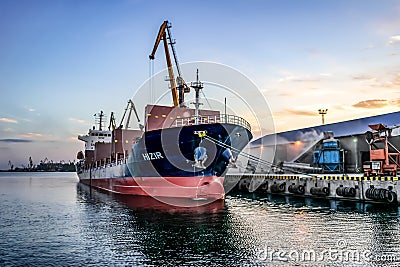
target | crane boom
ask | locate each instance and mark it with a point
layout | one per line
(112, 122)
(165, 34)
(134, 109)
(172, 42)
(158, 39)
(130, 106)
(162, 35)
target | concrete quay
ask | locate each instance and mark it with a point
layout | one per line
(354, 187)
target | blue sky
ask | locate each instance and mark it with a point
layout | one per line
(63, 61)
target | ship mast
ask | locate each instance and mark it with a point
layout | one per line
(99, 119)
(197, 86)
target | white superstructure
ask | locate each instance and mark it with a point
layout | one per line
(95, 136)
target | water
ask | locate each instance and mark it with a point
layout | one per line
(48, 219)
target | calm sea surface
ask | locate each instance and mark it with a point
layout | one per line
(49, 219)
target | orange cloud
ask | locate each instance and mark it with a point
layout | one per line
(373, 103)
(396, 102)
(8, 120)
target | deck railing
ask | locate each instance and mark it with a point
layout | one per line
(232, 119)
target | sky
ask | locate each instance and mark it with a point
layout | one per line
(63, 61)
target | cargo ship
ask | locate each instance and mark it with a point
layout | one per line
(179, 152)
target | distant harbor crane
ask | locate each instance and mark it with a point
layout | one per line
(30, 165)
(11, 165)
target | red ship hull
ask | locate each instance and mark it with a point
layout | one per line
(206, 187)
(181, 160)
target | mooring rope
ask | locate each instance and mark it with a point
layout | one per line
(252, 157)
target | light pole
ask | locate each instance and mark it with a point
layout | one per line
(322, 112)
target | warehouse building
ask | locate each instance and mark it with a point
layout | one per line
(300, 147)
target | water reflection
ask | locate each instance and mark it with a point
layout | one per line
(144, 231)
(322, 203)
(371, 228)
(47, 220)
(160, 234)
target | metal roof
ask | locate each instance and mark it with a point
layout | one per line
(339, 129)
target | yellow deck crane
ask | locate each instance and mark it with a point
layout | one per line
(178, 91)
